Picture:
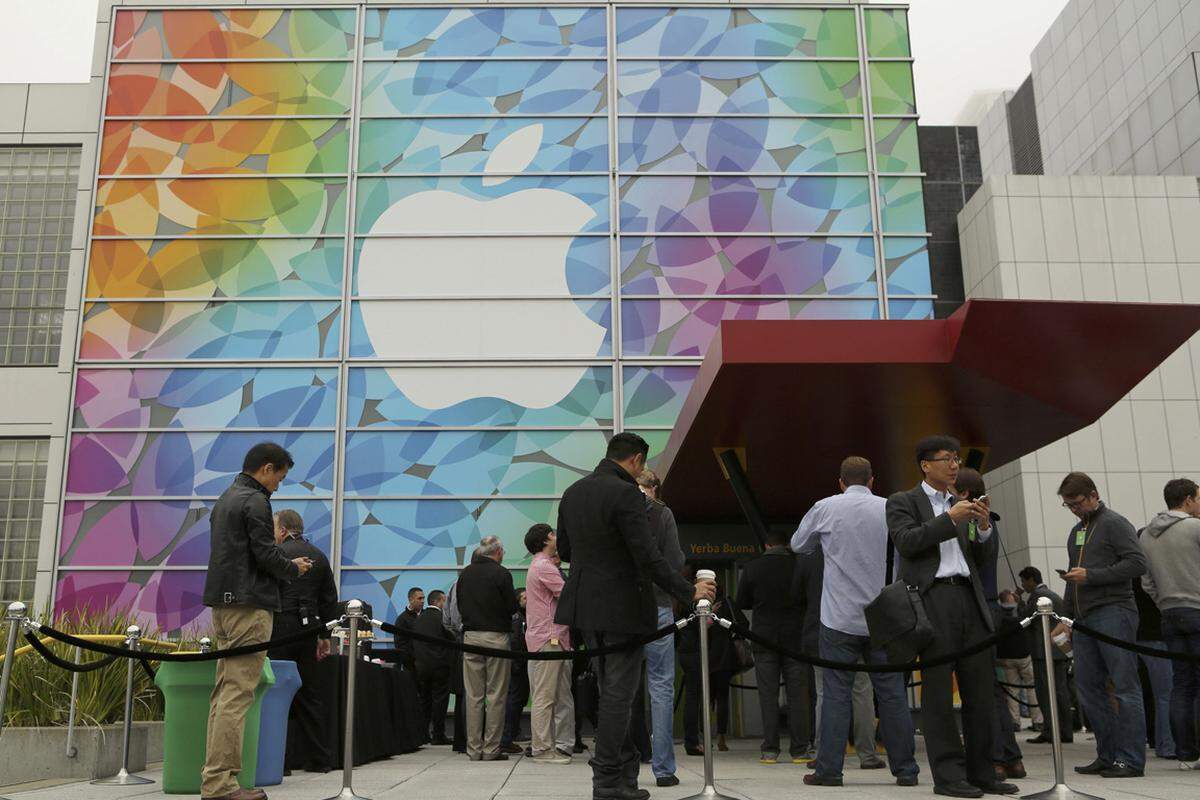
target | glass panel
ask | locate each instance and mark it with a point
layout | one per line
(757, 32)
(745, 205)
(480, 396)
(493, 32)
(194, 146)
(910, 309)
(229, 330)
(437, 532)
(386, 591)
(903, 207)
(658, 445)
(173, 533)
(741, 144)
(892, 88)
(241, 33)
(563, 144)
(482, 266)
(887, 32)
(475, 463)
(907, 266)
(655, 395)
(480, 329)
(494, 205)
(684, 265)
(168, 602)
(743, 87)
(686, 327)
(217, 397)
(215, 268)
(190, 464)
(896, 145)
(239, 89)
(216, 206)
(410, 88)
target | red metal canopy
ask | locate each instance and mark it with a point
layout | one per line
(1004, 376)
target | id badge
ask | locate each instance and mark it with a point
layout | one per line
(304, 621)
(971, 531)
(1080, 536)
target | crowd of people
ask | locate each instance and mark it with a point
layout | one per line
(625, 577)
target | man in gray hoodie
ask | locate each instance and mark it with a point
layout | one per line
(1172, 545)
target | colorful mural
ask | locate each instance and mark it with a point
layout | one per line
(441, 254)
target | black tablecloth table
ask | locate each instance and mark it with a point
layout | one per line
(387, 712)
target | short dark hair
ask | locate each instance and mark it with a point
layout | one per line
(265, 453)
(536, 537)
(930, 446)
(1075, 484)
(1178, 490)
(856, 471)
(625, 446)
(775, 538)
(290, 520)
(971, 482)
(414, 590)
(1031, 574)
(434, 596)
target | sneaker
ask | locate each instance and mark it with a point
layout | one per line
(563, 751)
(1189, 765)
(551, 757)
(769, 758)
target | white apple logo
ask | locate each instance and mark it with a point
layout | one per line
(509, 264)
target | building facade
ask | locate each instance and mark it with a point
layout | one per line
(441, 253)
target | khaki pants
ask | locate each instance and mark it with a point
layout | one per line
(552, 712)
(485, 678)
(232, 696)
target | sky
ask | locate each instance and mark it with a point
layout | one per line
(961, 46)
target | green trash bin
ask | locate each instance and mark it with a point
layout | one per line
(186, 688)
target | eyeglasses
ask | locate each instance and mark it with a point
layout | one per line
(951, 459)
(1074, 504)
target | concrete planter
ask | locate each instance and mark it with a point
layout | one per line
(34, 754)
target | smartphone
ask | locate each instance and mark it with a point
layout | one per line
(983, 498)
(1061, 572)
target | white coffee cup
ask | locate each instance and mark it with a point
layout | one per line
(706, 575)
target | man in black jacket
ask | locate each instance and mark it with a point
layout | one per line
(245, 569)
(604, 533)
(942, 543)
(307, 600)
(1032, 585)
(487, 602)
(434, 665)
(405, 622)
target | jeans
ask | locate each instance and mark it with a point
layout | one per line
(894, 718)
(768, 665)
(660, 684)
(863, 703)
(1181, 629)
(1120, 734)
(1159, 670)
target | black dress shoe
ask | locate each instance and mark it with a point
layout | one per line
(512, 749)
(619, 793)
(693, 750)
(813, 779)
(1122, 770)
(957, 789)
(997, 787)
(579, 747)
(1041, 738)
(667, 780)
(907, 780)
(1094, 768)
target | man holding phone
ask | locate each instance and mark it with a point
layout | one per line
(246, 569)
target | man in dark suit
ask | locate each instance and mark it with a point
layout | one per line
(1031, 584)
(604, 532)
(942, 543)
(405, 622)
(434, 665)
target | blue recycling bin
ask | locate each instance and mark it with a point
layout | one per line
(273, 723)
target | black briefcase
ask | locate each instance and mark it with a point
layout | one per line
(898, 624)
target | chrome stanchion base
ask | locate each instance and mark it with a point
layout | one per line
(1060, 792)
(347, 793)
(709, 793)
(122, 778)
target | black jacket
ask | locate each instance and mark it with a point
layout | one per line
(604, 532)
(810, 577)
(313, 595)
(1113, 559)
(1037, 647)
(245, 566)
(770, 588)
(430, 657)
(486, 597)
(405, 647)
(917, 535)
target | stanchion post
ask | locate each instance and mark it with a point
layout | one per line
(1060, 790)
(71, 750)
(124, 777)
(15, 617)
(205, 644)
(355, 616)
(704, 618)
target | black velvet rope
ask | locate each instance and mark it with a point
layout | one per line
(520, 655)
(1173, 655)
(62, 663)
(1016, 685)
(143, 655)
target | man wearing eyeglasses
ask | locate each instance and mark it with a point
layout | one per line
(1104, 558)
(942, 542)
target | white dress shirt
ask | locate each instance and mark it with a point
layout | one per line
(953, 561)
